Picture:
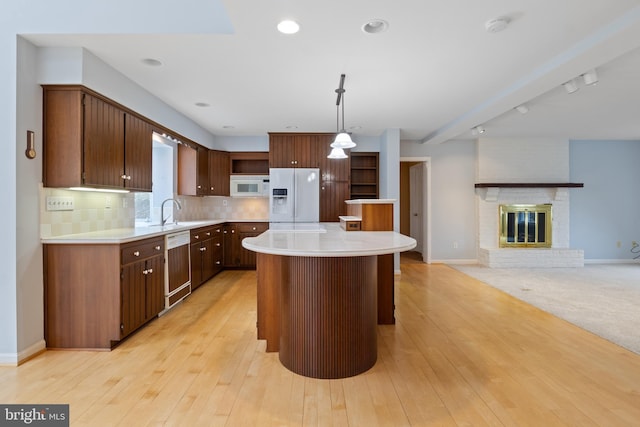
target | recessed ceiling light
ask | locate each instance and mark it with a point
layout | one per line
(292, 127)
(201, 104)
(375, 26)
(288, 27)
(355, 127)
(151, 62)
(228, 127)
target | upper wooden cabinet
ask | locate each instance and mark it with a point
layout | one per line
(249, 162)
(330, 169)
(94, 142)
(219, 173)
(293, 150)
(193, 170)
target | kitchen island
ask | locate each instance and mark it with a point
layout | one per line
(317, 295)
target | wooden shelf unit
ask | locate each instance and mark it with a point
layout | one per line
(249, 163)
(364, 175)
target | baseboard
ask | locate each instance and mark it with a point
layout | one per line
(454, 261)
(15, 359)
(612, 261)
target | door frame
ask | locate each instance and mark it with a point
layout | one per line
(426, 204)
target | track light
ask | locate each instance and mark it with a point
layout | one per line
(570, 86)
(590, 77)
(477, 130)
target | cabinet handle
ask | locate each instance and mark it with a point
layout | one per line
(233, 231)
(217, 262)
(203, 249)
(126, 177)
(217, 244)
(199, 186)
(254, 228)
(136, 253)
(145, 271)
(150, 270)
(208, 233)
(196, 236)
(158, 248)
(217, 230)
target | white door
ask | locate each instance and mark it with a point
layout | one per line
(416, 203)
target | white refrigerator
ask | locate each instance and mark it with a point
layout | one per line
(294, 195)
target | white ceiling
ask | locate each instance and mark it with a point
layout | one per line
(434, 74)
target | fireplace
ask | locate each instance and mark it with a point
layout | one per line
(525, 226)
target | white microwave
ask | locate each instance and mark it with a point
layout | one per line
(249, 186)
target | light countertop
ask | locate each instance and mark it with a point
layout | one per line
(329, 240)
(124, 235)
(370, 201)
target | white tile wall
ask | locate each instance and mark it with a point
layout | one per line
(95, 211)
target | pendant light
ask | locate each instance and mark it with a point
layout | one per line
(343, 140)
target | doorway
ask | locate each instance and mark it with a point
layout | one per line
(415, 204)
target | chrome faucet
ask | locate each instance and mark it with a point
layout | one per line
(163, 219)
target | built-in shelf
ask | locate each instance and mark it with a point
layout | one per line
(530, 184)
(364, 175)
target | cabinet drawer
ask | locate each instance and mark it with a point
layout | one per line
(142, 249)
(248, 227)
(204, 233)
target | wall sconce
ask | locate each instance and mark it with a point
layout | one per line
(590, 77)
(570, 86)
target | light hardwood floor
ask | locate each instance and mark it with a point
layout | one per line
(461, 353)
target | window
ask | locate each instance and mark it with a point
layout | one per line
(148, 204)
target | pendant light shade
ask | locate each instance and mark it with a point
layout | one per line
(337, 153)
(343, 140)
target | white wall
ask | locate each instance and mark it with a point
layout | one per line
(453, 222)
(607, 210)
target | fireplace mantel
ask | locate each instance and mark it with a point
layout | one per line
(529, 185)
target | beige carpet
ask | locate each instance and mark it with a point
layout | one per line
(601, 298)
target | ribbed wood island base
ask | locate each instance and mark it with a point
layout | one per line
(318, 296)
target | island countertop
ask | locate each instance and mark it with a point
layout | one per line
(327, 240)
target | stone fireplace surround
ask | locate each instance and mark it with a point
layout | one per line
(489, 252)
(523, 171)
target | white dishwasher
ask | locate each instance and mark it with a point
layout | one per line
(177, 268)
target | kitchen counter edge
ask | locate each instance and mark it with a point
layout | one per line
(125, 235)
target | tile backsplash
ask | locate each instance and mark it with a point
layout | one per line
(97, 211)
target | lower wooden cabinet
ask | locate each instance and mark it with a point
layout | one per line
(142, 287)
(236, 256)
(206, 254)
(97, 294)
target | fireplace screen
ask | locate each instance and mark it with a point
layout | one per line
(525, 226)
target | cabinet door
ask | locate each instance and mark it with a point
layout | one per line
(103, 143)
(281, 153)
(138, 153)
(193, 171)
(331, 169)
(332, 197)
(202, 172)
(305, 152)
(207, 259)
(154, 286)
(196, 265)
(133, 292)
(230, 251)
(219, 165)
